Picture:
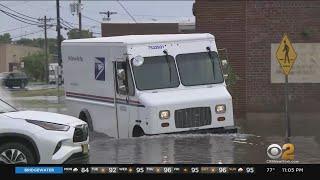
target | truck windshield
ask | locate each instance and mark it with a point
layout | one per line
(157, 72)
(5, 107)
(199, 68)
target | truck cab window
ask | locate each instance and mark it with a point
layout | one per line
(199, 68)
(157, 72)
(130, 80)
(124, 81)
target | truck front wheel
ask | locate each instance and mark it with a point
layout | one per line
(137, 132)
(85, 116)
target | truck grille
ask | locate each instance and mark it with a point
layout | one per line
(81, 133)
(192, 117)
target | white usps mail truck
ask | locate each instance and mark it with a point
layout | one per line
(129, 86)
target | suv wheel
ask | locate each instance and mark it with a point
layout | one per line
(15, 153)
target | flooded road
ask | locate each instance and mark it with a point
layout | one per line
(199, 149)
(257, 132)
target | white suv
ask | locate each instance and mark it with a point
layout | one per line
(30, 137)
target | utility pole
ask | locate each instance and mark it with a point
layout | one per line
(46, 50)
(76, 8)
(108, 13)
(79, 14)
(46, 68)
(59, 47)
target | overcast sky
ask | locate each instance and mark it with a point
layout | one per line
(142, 11)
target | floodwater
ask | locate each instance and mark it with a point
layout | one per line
(257, 132)
(239, 148)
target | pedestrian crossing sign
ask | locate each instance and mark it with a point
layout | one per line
(286, 55)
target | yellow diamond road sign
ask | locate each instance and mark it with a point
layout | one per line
(286, 55)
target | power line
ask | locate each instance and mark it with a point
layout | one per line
(68, 23)
(150, 15)
(14, 29)
(12, 16)
(66, 26)
(27, 34)
(124, 8)
(32, 21)
(91, 19)
(17, 12)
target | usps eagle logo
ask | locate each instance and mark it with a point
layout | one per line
(99, 69)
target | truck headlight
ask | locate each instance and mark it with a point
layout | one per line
(164, 114)
(49, 126)
(221, 108)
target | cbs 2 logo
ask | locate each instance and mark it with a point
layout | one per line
(275, 151)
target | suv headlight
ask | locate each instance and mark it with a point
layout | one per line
(221, 108)
(49, 126)
(164, 114)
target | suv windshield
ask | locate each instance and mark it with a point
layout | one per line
(157, 72)
(199, 68)
(5, 107)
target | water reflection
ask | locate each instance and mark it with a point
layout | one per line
(199, 149)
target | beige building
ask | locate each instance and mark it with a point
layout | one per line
(11, 56)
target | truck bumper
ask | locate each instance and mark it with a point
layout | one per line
(220, 130)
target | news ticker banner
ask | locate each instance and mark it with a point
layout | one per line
(271, 169)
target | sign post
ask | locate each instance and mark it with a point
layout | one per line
(286, 56)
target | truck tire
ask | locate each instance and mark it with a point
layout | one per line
(22, 84)
(137, 132)
(16, 153)
(85, 116)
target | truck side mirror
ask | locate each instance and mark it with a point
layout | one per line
(225, 67)
(137, 61)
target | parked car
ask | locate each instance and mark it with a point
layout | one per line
(54, 73)
(14, 79)
(31, 137)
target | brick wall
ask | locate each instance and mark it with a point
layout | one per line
(247, 29)
(226, 21)
(119, 29)
(267, 21)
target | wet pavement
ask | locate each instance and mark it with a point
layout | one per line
(32, 86)
(257, 132)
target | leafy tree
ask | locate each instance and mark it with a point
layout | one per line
(232, 78)
(39, 42)
(34, 65)
(5, 38)
(76, 34)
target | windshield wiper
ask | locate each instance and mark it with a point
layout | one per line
(167, 59)
(212, 60)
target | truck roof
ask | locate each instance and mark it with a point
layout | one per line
(141, 39)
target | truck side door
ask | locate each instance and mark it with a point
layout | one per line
(124, 89)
